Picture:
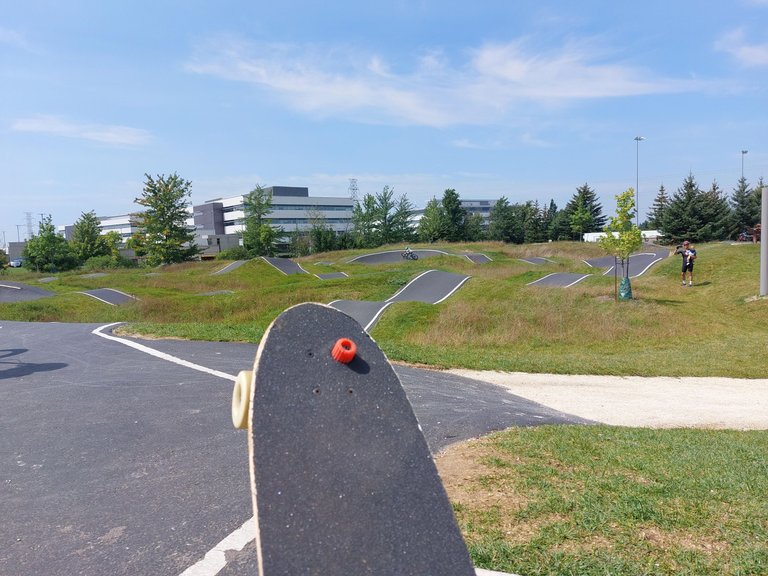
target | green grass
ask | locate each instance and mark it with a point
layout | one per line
(602, 500)
(495, 321)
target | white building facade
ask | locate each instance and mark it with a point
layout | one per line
(292, 210)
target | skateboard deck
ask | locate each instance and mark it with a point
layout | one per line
(342, 479)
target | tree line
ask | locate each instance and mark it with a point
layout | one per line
(163, 236)
(706, 215)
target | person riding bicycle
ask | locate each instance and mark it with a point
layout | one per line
(409, 254)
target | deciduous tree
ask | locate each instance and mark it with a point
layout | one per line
(48, 251)
(622, 237)
(165, 237)
(257, 204)
(87, 240)
(431, 223)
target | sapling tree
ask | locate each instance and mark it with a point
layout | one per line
(622, 237)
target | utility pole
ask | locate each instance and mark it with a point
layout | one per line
(743, 152)
(638, 139)
(763, 243)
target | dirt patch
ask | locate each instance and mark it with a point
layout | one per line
(464, 470)
(666, 540)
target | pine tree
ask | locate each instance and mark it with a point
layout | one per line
(402, 231)
(746, 212)
(499, 220)
(455, 216)
(548, 216)
(560, 226)
(384, 212)
(715, 213)
(682, 219)
(364, 222)
(589, 218)
(533, 227)
(660, 204)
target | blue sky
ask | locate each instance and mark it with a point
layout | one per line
(523, 99)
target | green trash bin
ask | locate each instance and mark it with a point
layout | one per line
(625, 289)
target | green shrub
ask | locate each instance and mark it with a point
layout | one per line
(107, 262)
(235, 253)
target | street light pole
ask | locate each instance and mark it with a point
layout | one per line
(743, 152)
(638, 139)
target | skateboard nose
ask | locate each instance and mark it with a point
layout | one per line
(344, 350)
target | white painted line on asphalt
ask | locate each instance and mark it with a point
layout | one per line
(459, 285)
(123, 293)
(373, 254)
(97, 298)
(216, 559)
(158, 354)
(226, 268)
(409, 283)
(376, 316)
(399, 252)
(320, 276)
(270, 263)
(646, 268)
(577, 281)
(540, 279)
(9, 286)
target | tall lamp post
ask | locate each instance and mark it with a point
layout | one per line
(743, 152)
(638, 139)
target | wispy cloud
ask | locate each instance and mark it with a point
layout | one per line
(750, 55)
(493, 80)
(13, 38)
(103, 133)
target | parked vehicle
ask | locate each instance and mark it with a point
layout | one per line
(16, 263)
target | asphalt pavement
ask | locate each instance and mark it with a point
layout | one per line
(121, 458)
(18, 292)
(430, 287)
(285, 265)
(637, 264)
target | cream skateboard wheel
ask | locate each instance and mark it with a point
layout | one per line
(241, 399)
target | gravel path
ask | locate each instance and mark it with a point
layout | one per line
(643, 402)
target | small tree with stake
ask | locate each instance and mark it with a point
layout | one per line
(622, 238)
